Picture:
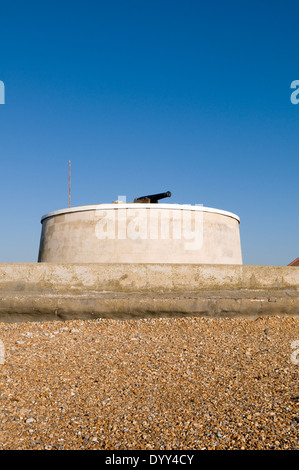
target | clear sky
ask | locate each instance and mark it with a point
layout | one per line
(145, 96)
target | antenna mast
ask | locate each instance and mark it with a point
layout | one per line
(69, 183)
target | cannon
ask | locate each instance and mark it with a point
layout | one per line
(152, 198)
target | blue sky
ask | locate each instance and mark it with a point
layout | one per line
(149, 96)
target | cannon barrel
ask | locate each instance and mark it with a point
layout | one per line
(152, 198)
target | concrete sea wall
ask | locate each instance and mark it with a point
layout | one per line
(50, 291)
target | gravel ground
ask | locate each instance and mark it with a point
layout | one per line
(160, 383)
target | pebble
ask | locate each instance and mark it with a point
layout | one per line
(158, 383)
(30, 420)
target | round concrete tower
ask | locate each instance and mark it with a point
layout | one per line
(140, 232)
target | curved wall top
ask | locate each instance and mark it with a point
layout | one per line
(139, 206)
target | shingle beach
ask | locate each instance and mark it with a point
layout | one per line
(150, 384)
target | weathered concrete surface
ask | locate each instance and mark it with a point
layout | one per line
(46, 291)
(140, 233)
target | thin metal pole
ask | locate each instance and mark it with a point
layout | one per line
(69, 183)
